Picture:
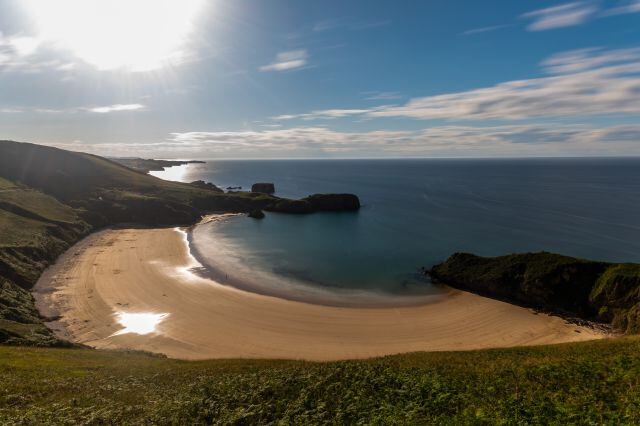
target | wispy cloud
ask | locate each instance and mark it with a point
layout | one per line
(563, 15)
(116, 107)
(486, 29)
(582, 82)
(537, 139)
(575, 13)
(438, 140)
(632, 6)
(326, 114)
(30, 55)
(381, 96)
(74, 110)
(575, 61)
(286, 61)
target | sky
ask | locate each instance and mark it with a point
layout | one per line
(322, 79)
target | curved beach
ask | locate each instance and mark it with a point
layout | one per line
(149, 272)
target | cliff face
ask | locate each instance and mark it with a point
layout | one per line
(317, 203)
(605, 292)
(263, 188)
(333, 202)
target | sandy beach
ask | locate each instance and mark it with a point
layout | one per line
(134, 288)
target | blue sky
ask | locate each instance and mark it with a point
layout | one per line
(330, 79)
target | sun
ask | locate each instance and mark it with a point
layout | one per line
(139, 35)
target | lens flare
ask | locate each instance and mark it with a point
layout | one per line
(140, 35)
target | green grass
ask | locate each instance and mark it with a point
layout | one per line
(18, 231)
(585, 383)
(5, 184)
(40, 205)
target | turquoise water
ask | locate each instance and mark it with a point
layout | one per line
(416, 213)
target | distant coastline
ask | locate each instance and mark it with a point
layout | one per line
(150, 165)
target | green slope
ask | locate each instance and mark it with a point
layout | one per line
(50, 198)
(105, 192)
(34, 229)
(585, 383)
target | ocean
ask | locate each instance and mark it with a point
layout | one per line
(415, 213)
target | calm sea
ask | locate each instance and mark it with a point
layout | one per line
(415, 213)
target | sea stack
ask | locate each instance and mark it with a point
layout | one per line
(264, 188)
(256, 214)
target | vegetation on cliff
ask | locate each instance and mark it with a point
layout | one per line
(584, 383)
(597, 291)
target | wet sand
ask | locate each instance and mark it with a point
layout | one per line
(133, 271)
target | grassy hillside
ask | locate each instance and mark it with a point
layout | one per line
(585, 383)
(599, 291)
(105, 192)
(34, 229)
(50, 198)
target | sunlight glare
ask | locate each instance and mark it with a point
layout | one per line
(139, 35)
(139, 323)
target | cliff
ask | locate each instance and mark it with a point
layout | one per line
(317, 203)
(590, 290)
(264, 188)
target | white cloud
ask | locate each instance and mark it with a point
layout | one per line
(99, 110)
(116, 107)
(326, 114)
(583, 82)
(625, 8)
(381, 96)
(28, 54)
(486, 29)
(575, 61)
(286, 61)
(465, 141)
(563, 15)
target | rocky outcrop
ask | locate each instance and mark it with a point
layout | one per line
(590, 290)
(264, 188)
(316, 203)
(333, 202)
(284, 205)
(206, 185)
(256, 214)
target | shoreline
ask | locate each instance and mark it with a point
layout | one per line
(293, 289)
(130, 271)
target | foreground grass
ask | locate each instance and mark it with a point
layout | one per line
(585, 383)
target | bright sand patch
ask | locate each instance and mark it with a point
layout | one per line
(116, 284)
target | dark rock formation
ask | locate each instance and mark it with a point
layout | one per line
(206, 185)
(316, 203)
(284, 205)
(264, 188)
(590, 290)
(256, 214)
(333, 202)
